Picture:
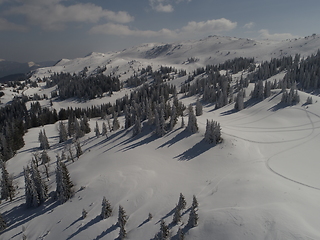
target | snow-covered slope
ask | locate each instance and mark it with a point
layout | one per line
(261, 182)
(211, 50)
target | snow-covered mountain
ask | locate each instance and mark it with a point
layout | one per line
(260, 182)
(186, 55)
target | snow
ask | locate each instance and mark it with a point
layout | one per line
(261, 182)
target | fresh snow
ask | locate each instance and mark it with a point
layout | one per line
(261, 182)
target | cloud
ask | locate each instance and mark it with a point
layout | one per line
(264, 34)
(52, 15)
(249, 25)
(164, 5)
(215, 25)
(5, 25)
(209, 27)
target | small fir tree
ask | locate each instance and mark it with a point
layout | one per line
(96, 130)
(7, 188)
(63, 134)
(104, 129)
(106, 209)
(3, 223)
(192, 121)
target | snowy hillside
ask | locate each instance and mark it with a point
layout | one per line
(211, 50)
(260, 181)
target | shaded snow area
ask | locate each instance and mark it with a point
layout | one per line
(261, 182)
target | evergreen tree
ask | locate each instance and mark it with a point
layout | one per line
(78, 148)
(193, 217)
(40, 186)
(213, 132)
(122, 217)
(115, 123)
(182, 202)
(173, 117)
(122, 220)
(104, 129)
(96, 130)
(64, 184)
(164, 230)
(192, 121)
(137, 126)
(7, 188)
(78, 132)
(63, 135)
(45, 157)
(199, 110)
(84, 213)
(180, 234)
(106, 209)
(84, 124)
(3, 223)
(182, 122)
(44, 144)
(239, 104)
(31, 194)
(177, 215)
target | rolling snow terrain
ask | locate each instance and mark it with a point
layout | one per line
(261, 182)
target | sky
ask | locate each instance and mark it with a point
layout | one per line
(41, 30)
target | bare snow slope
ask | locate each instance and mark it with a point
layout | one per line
(261, 182)
(211, 50)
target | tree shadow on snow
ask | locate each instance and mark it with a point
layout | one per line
(109, 230)
(278, 106)
(177, 138)
(195, 151)
(20, 215)
(84, 227)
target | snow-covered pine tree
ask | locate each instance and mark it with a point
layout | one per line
(84, 213)
(193, 217)
(3, 223)
(199, 110)
(182, 202)
(180, 234)
(84, 124)
(64, 184)
(182, 122)
(63, 134)
(106, 209)
(104, 130)
(137, 126)
(122, 220)
(78, 132)
(44, 157)
(97, 130)
(39, 184)
(122, 217)
(192, 121)
(44, 144)
(213, 132)
(177, 215)
(78, 148)
(7, 188)
(239, 104)
(31, 194)
(195, 203)
(115, 123)
(164, 230)
(173, 117)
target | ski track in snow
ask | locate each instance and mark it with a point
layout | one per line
(311, 123)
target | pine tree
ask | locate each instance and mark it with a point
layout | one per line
(40, 186)
(137, 127)
(193, 217)
(192, 121)
(239, 104)
(106, 209)
(78, 132)
(182, 122)
(63, 135)
(182, 202)
(44, 144)
(115, 123)
(84, 124)
(164, 230)
(199, 110)
(78, 148)
(3, 224)
(213, 132)
(180, 234)
(177, 215)
(122, 217)
(104, 129)
(122, 220)
(45, 157)
(64, 184)
(31, 194)
(96, 130)
(84, 213)
(7, 188)
(173, 117)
